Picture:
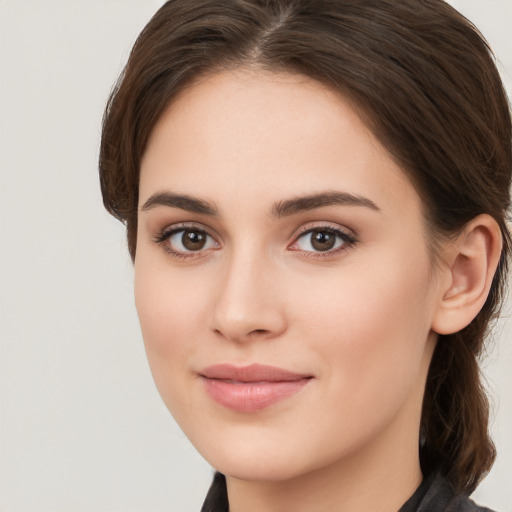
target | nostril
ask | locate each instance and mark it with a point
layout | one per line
(255, 333)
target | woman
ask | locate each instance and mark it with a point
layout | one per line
(315, 196)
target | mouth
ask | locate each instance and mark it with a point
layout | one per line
(251, 388)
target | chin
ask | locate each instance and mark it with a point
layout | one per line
(262, 470)
(255, 458)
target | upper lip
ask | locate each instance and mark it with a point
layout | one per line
(251, 373)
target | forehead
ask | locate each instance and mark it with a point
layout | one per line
(270, 134)
(280, 108)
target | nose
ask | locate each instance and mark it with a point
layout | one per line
(248, 304)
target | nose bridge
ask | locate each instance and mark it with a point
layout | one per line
(248, 303)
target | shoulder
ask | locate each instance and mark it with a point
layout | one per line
(438, 496)
(465, 504)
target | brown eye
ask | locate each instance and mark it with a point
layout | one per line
(322, 240)
(193, 240)
(187, 240)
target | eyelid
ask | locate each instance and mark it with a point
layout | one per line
(179, 226)
(318, 225)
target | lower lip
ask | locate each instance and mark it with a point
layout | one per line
(251, 396)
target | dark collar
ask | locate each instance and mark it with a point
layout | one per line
(217, 498)
(434, 494)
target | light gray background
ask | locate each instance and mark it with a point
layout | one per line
(82, 427)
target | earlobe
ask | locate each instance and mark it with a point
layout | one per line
(471, 261)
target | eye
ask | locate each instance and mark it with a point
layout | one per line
(184, 241)
(323, 240)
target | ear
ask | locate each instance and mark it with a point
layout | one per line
(468, 268)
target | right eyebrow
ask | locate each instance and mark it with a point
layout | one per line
(184, 202)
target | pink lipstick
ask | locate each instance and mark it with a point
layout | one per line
(251, 388)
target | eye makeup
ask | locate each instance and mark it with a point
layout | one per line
(314, 240)
(324, 241)
(186, 240)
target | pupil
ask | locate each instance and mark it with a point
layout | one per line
(193, 240)
(323, 240)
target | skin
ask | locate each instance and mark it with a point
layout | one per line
(358, 319)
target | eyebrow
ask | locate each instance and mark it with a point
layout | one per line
(184, 202)
(310, 202)
(280, 209)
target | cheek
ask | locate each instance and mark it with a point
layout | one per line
(371, 324)
(170, 315)
(168, 303)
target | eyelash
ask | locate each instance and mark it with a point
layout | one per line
(348, 240)
(164, 237)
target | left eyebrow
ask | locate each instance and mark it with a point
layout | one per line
(310, 202)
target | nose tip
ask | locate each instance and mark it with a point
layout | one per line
(250, 322)
(248, 306)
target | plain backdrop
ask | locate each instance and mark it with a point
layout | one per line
(82, 427)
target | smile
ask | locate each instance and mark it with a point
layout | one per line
(251, 388)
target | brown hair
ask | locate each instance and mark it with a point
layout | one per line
(425, 82)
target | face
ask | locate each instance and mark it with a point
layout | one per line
(282, 278)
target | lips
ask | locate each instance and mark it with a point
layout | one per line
(251, 388)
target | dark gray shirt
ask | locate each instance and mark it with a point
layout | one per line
(435, 494)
